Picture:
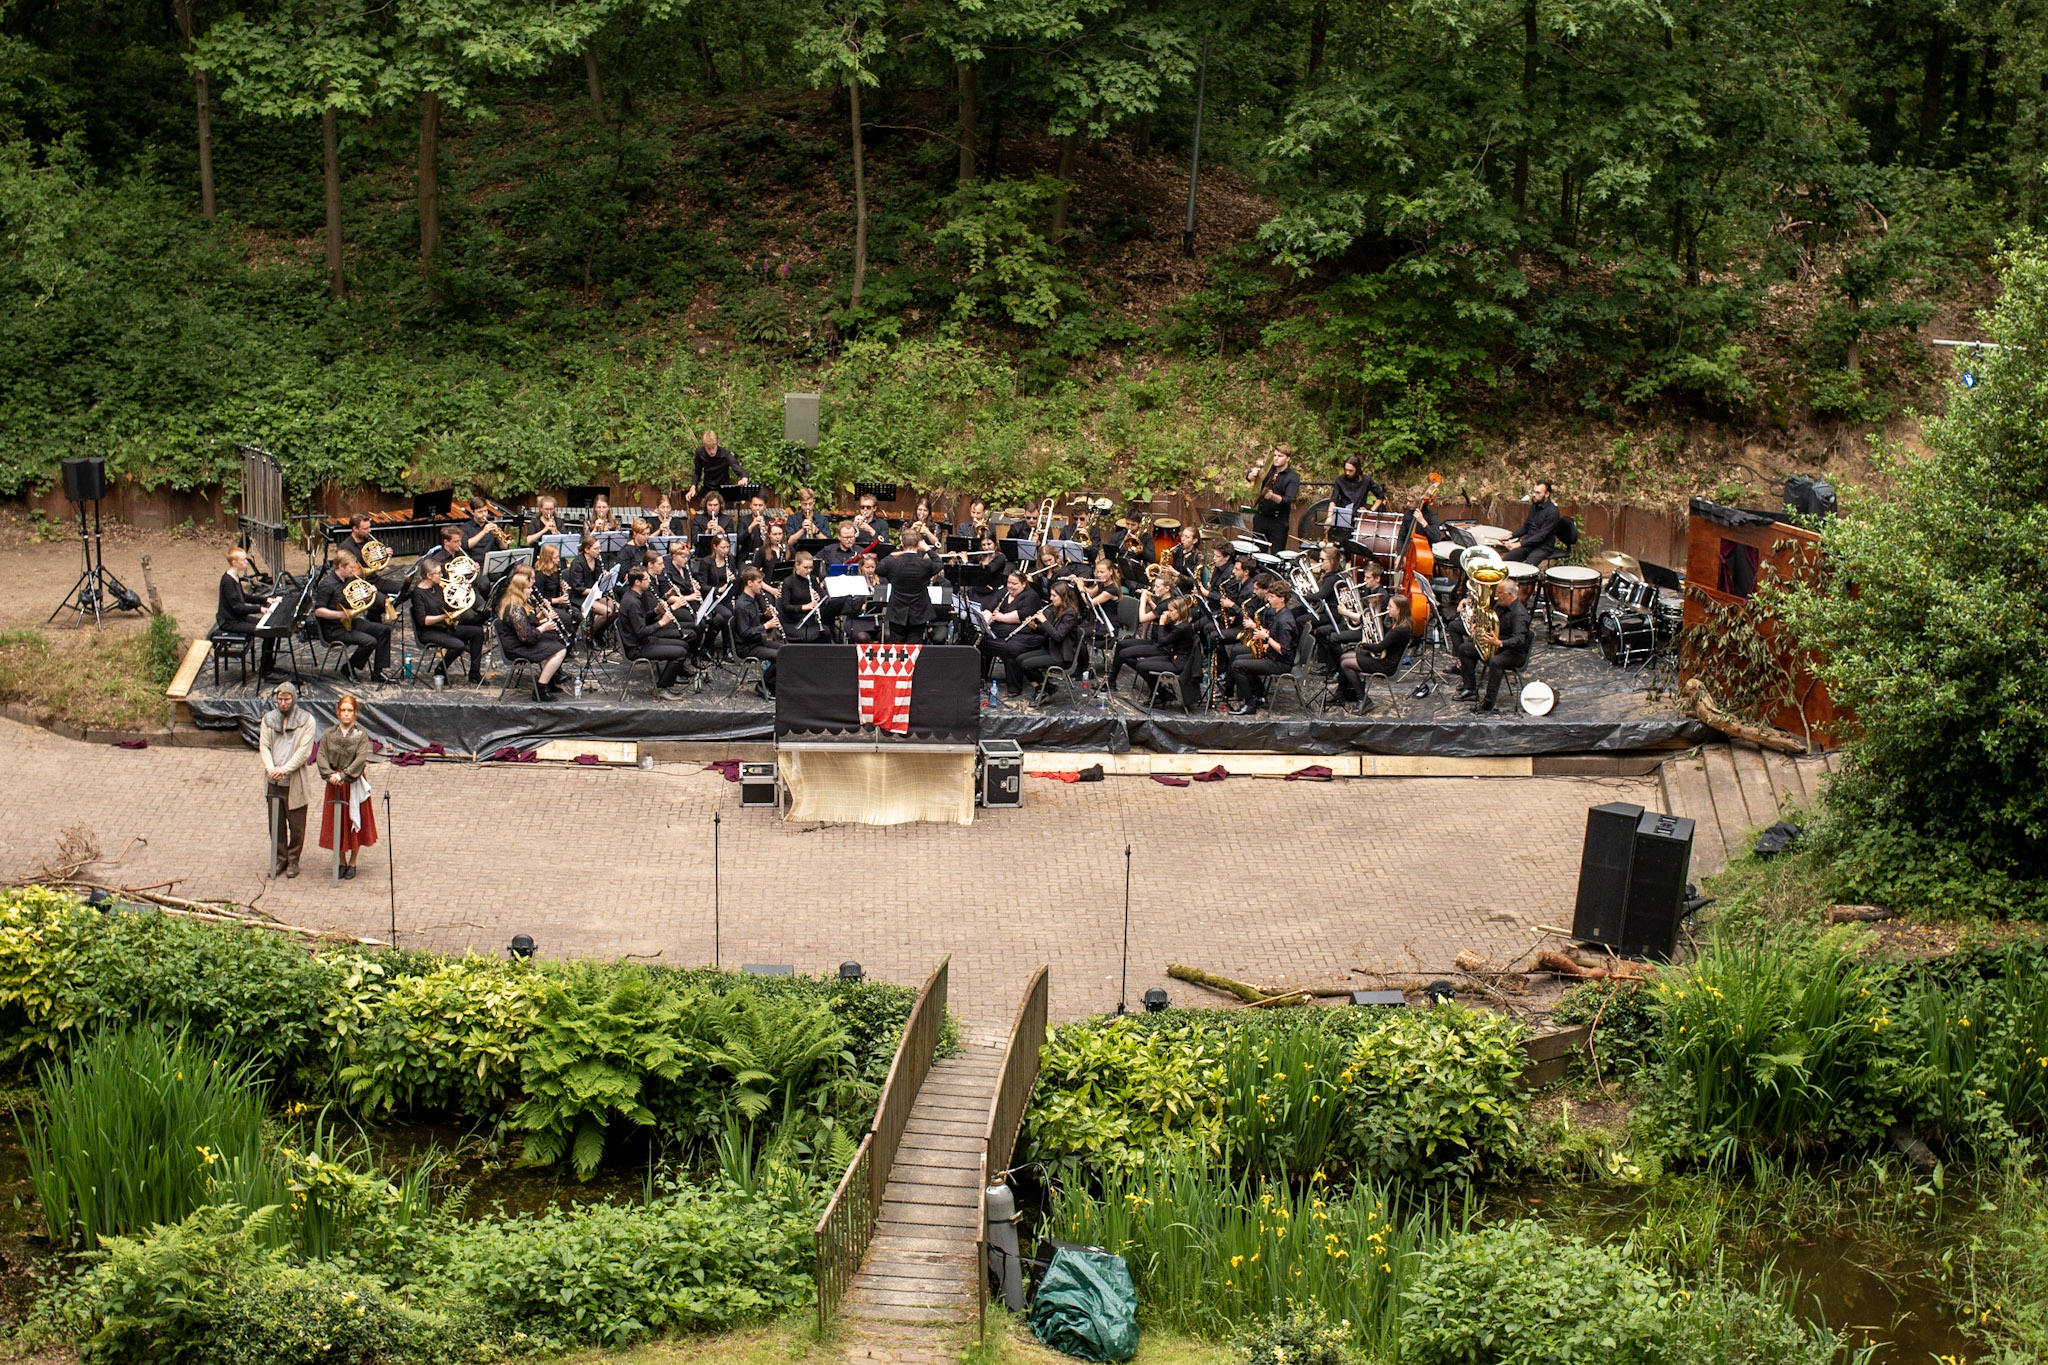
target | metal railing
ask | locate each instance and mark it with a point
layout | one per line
(1006, 1115)
(848, 1223)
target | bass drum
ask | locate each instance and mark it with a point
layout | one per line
(1627, 638)
(1314, 523)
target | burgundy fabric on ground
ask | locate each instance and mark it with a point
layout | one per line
(409, 761)
(1314, 772)
(131, 744)
(1215, 774)
(729, 766)
(1168, 780)
(512, 754)
(586, 760)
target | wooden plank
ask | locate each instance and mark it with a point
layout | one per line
(931, 1215)
(945, 1127)
(937, 1142)
(914, 1277)
(1562, 1043)
(896, 1313)
(1784, 775)
(188, 670)
(975, 1089)
(1690, 798)
(921, 1295)
(903, 1245)
(1757, 793)
(930, 1196)
(938, 1177)
(1725, 789)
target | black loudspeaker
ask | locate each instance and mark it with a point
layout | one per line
(1656, 886)
(85, 480)
(1603, 873)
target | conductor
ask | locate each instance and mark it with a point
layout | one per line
(909, 574)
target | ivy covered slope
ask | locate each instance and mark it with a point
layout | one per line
(510, 245)
(567, 1059)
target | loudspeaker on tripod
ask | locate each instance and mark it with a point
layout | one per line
(85, 480)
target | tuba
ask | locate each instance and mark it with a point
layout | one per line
(1484, 571)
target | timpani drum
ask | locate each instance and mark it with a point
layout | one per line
(1523, 576)
(1572, 592)
(1165, 538)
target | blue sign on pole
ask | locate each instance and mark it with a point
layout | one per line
(1969, 380)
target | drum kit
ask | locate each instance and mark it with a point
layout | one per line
(1638, 623)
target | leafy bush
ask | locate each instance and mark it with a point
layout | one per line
(67, 970)
(1520, 1294)
(993, 226)
(693, 1260)
(163, 649)
(1301, 1336)
(214, 1286)
(445, 1040)
(1630, 1035)
(1423, 1094)
(133, 1130)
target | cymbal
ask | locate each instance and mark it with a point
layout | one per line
(1610, 562)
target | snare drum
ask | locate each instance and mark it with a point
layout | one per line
(1573, 593)
(1165, 537)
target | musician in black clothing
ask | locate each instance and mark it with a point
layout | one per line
(481, 535)
(909, 575)
(550, 586)
(531, 636)
(872, 527)
(713, 466)
(580, 577)
(1175, 641)
(753, 525)
(808, 522)
(1062, 643)
(1273, 626)
(544, 521)
(844, 550)
(666, 521)
(237, 613)
(436, 627)
(370, 636)
(1187, 559)
(753, 616)
(1007, 639)
(1510, 643)
(1277, 492)
(1381, 659)
(648, 629)
(449, 548)
(1233, 590)
(1151, 615)
(799, 595)
(1354, 491)
(860, 618)
(977, 523)
(715, 573)
(712, 520)
(1536, 541)
(633, 554)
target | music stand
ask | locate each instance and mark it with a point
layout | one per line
(881, 492)
(430, 506)
(586, 494)
(737, 493)
(962, 544)
(811, 543)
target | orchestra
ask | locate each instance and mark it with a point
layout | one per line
(689, 586)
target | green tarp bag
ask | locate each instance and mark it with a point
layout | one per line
(1087, 1306)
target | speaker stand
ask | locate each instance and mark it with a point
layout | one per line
(96, 592)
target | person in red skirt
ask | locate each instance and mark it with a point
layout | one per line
(344, 755)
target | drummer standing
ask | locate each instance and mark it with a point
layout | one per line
(1277, 492)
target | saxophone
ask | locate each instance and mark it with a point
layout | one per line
(1484, 570)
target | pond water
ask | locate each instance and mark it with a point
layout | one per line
(1882, 1291)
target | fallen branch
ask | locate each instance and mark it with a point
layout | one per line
(1280, 1001)
(1857, 914)
(216, 912)
(1244, 991)
(1701, 703)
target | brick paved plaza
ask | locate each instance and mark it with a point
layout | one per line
(1277, 882)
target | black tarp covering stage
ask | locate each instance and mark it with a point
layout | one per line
(1599, 707)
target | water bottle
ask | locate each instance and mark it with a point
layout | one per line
(995, 702)
(576, 686)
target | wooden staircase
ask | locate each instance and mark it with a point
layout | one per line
(1732, 790)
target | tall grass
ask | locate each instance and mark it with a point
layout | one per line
(1212, 1254)
(133, 1132)
(1986, 1044)
(1282, 1093)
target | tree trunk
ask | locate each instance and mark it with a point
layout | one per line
(330, 152)
(590, 75)
(712, 84)
(1069, 146)
(1930, 86)
(1854, 361)
(1318, 34)
(430, 177)
(1141, 135)
(182, 12)
(966, 71)
(1528, 105)
(860, 200)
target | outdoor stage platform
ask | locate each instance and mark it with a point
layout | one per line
(1600, 708)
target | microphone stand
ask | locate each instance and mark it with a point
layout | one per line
(1123, 987)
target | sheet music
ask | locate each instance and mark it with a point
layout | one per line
(846, 585)
(712, 602)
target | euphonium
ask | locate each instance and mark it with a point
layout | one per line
(1484, 571)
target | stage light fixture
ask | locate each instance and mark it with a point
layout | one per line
(850, 971)
(1440, 991)
(1156, 1000)
(522, 946)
